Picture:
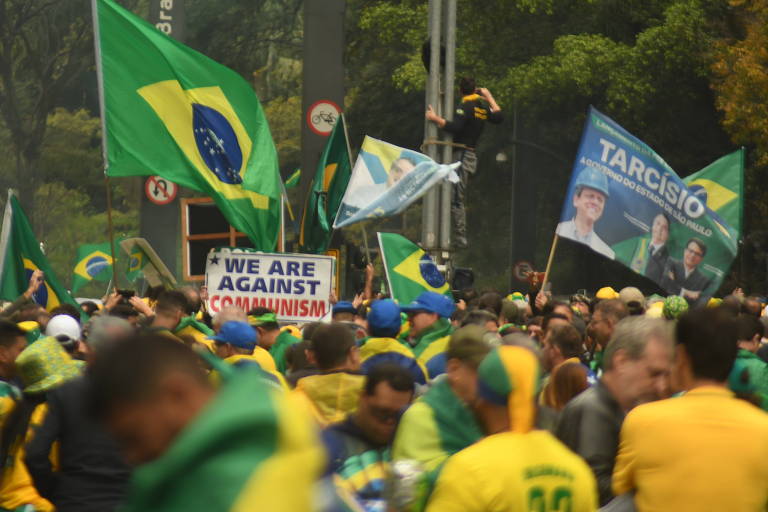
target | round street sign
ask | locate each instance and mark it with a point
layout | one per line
(520, 270)
(159, 190)
(322, 115)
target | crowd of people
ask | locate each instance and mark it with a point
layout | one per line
(481, 402)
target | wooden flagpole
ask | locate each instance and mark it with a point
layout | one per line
(549, 263)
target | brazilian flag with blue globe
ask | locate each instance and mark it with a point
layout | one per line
(410, 270)
(94, 262)
(173, 112)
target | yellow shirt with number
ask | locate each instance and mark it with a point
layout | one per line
(509, 471)
(705, 450)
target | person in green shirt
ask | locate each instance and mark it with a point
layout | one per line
(441, 422)
(264, 320)
(428, 318)
(749, 375)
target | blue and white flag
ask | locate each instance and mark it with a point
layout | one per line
(386, 179)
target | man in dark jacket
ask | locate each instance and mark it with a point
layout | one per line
(93, 475)
(638, 361)
(477, 107)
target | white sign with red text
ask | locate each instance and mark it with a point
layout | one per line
(297, 287)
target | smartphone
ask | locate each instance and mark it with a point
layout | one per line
(126, 294)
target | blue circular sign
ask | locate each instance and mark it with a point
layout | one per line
(217, 144)
(430, 273)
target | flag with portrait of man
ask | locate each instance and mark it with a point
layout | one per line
(386, 179)
(627, 204)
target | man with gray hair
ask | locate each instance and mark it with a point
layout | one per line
(637, 364)
(92, 475)
(228, 314)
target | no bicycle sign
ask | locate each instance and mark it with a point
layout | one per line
(295, 286)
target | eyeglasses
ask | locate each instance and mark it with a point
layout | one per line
(697, 253)
(385, 415)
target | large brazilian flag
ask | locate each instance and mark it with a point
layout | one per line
(174, 112)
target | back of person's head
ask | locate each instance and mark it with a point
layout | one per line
(258, 312)
(296, 356)
(397, 377)
(194, 303)
(129, 371)
(309, 329)
(550, 319)
(154, 292)
(105, 330)
(66, 309)
(510, 312)
(10, 333)
(89, 307)
(124, 311)
(171, 302)
(632, 335)
(467, 85)
(731, 304)
(469, 296)
(480, 317)
(468, 345)
(709, 338)
(28, 313)
(331, 344)
(749, 326)
(613, 309)
(229, 314)
(567, 339)
(490, 301)
(568, 381)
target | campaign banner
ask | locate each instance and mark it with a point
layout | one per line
(387, 179)
(626, 203)
(297, 287)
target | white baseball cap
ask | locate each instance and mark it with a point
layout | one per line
(63, 325)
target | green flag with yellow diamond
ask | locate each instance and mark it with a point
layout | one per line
(173, 112)
(720, 186)
(94, 261)
(410, 270)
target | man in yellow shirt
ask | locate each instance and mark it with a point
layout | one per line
(706, 449)
(515, 467)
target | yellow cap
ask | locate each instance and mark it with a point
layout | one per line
(655, 310)
(606, 292)
(29, 325)
(714, 302)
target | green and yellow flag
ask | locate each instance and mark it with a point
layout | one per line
(20, 256)
(94, 261)
(174, 112)
(410, 270)
(252, 448)
(720, 186)
(325, 194)
(293, 179)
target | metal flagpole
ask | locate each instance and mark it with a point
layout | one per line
(349, 155)
(446, 188)
(104, 153)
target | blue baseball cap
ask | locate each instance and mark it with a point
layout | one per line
(238, 334)
(344, 307)
(384, 318)
(431, 302)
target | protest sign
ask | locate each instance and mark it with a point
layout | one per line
(626, 203)
(297, 287)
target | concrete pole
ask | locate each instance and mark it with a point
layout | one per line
(430, 201)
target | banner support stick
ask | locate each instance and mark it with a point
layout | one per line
(111, 230)
(549, 263)
(365, 243)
